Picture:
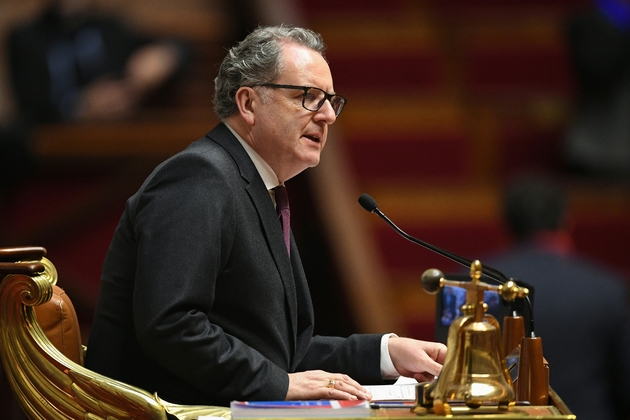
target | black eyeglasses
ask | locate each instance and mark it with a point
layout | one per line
(313, 98)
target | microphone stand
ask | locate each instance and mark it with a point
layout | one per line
(369, 204)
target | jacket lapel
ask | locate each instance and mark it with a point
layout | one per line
(267, 213)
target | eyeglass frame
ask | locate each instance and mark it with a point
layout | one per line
(327, 96)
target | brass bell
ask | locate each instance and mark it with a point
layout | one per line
(474, 372)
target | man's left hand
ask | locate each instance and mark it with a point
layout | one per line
(417, 359)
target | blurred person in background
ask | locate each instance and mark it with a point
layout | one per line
(71, 64)
(598, 140)
(580, 307)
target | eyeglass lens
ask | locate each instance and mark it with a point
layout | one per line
(315, 98)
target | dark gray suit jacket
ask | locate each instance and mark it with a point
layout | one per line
(199, 299)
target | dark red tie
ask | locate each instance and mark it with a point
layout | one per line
(284, 213)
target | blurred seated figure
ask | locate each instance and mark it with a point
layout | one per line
(598, 139)
(70, 64)
(581, 308)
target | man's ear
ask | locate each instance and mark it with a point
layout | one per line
(247, 101)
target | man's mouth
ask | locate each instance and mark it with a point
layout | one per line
(316, 139)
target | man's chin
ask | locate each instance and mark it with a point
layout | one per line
(314, 162)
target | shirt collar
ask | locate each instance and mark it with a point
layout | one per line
(267, 174)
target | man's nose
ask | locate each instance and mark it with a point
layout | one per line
(327, 112)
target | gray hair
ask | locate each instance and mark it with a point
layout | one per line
(257, 60)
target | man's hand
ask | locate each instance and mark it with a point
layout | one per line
(106, 99)
(417, 359)
(318, 384)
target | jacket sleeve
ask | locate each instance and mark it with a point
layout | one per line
(357, 356)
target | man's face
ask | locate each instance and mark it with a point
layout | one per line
(289, 137)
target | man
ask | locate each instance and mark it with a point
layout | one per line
(201, 301)
(580, 308)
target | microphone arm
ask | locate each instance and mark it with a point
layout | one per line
(369, 204)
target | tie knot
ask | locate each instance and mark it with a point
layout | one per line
(282, 198)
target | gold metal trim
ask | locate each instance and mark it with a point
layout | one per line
(48, 385)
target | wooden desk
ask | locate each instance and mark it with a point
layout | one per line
(537, 412)
(556, 411)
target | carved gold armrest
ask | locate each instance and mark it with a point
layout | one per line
(45, 382)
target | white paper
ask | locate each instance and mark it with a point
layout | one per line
(403, 390)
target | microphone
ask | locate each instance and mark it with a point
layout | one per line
(369, 204)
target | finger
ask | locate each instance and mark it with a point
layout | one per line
(350, 394)
(424, 377)
(346, 385)
(433, 367)
(345, 382)
(439, 353)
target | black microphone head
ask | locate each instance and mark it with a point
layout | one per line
(367, 202)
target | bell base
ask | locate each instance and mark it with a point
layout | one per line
(428, 403)
(454, 408)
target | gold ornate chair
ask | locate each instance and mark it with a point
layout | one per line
(42, 355)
